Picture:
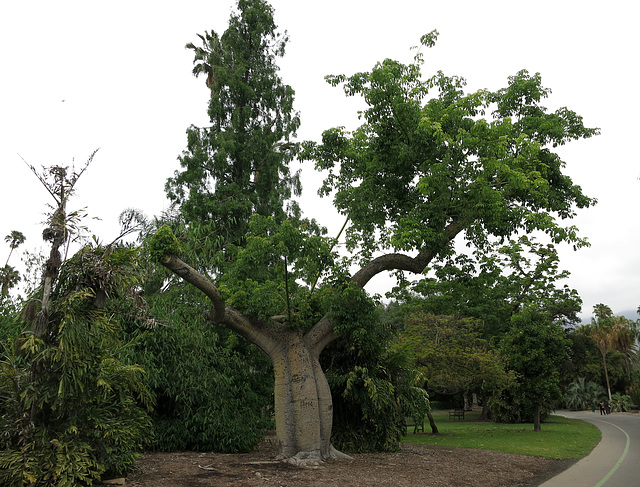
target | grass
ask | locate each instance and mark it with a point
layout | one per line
(560, 437)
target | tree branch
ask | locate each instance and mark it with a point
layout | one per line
(320, 335)
(192, 276)
(256, 333)
(322, 332)
(402, 262)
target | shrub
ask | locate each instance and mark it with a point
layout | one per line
(212, 390)
(620, 403)
(582, 394)
(373, 388)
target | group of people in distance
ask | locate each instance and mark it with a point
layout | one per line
(605, 407)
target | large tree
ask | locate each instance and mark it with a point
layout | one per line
(428, 164)
(239, 165)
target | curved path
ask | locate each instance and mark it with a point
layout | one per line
(613, 462)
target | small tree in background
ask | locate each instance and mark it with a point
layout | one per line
(452, 356)
(9, 276)
(610, 333)
(535, 348)
(14, 239)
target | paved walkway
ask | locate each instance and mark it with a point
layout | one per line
(613, 462)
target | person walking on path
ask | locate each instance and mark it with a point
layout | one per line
(601, 408)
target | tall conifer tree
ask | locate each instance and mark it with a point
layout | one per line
(239, 165)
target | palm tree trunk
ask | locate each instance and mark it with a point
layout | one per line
(606, 375)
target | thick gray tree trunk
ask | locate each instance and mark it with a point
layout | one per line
(303, 404)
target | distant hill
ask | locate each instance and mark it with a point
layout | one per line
(630, 314)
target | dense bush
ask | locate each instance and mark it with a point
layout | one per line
(582, 394)
(72, 410)
(620, 403)
(373, 387)
(212, 390)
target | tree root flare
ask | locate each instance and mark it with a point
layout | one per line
(313, 458)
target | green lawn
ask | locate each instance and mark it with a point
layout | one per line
(560, 437)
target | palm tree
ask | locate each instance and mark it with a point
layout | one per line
(626, 340)
(9, 277)
(582, 394)
(609, 333)
(207, 57)
(14, 239)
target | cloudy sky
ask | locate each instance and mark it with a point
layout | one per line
(82, 75)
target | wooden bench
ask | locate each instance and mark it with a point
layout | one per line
(456, 414)
(409, 421)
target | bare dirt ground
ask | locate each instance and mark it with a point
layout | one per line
(413, 466)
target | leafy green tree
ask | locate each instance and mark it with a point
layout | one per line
(585, 360)
(451, 354)
(535, 348)
(234, 168)
(418, 173)
(495, 282)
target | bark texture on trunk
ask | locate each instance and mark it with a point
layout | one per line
(432, 423)
(536, 419)
(304, 410)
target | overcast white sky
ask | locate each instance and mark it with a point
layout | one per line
(125, 78)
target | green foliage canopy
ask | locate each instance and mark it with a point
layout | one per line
(451, 354)
(430, 161)
(493, 283)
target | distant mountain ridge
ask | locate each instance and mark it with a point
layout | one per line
(630, 314)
